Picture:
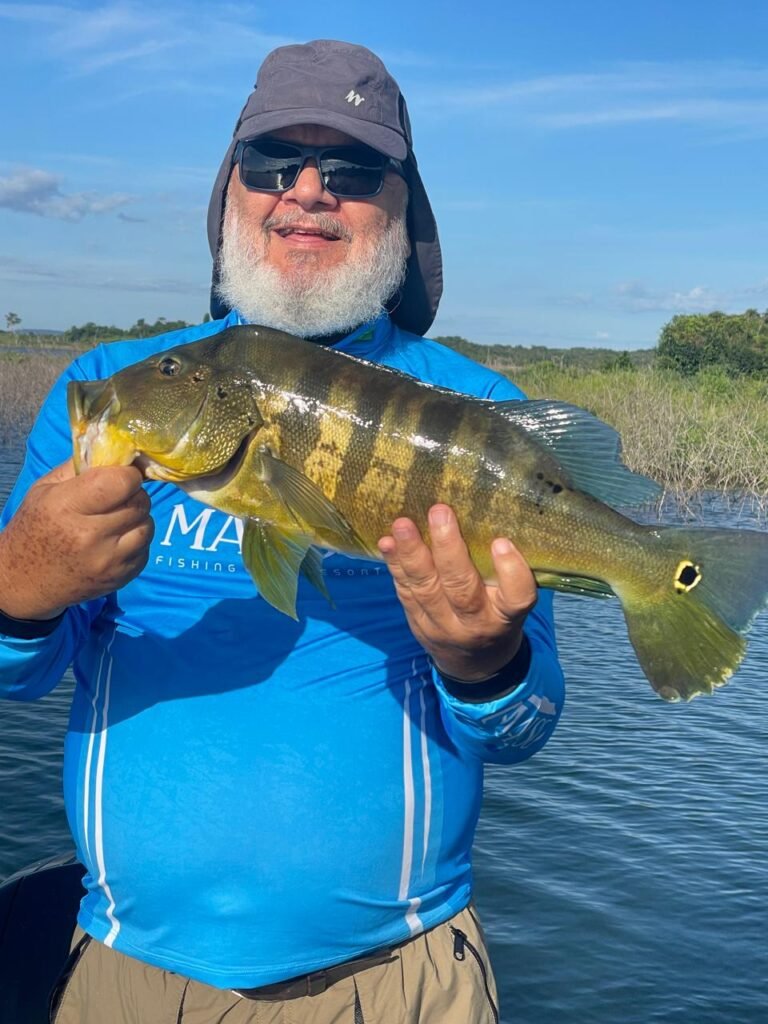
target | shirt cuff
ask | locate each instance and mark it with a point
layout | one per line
(28, 629)
(499, 685)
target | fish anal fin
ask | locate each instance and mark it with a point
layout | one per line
(573, 584)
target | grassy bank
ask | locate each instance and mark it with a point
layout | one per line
(707, 431)
(25, 380)
(689, 434)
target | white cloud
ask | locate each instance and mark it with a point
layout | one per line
(38, 192)
(692, 111)
(48, 14)
(728, 96)
(86, 41)
(92, 277)
(636, 297)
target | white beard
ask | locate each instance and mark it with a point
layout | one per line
(308, 302)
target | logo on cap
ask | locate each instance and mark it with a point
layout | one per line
(354, 97)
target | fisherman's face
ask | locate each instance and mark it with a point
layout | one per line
(288, 224)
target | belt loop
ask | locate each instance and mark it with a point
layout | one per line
(317, 983)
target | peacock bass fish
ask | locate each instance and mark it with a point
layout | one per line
(313, 448)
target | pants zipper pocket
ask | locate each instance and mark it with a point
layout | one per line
(460, 944)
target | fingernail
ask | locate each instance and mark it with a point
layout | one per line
(440, 515)
(501, 546)
(402, 529)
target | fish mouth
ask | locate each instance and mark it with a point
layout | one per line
(90, 399)
(92, 406)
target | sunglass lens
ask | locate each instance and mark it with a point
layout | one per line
(352, 171)
(271, 166)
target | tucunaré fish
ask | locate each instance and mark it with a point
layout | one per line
(313, 448)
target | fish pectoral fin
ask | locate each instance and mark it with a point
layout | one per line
(573, 584)
(274, 559)
(587, 449)
(308, 506)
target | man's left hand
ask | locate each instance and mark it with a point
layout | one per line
(469, 628)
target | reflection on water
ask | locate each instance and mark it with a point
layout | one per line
(622, 875)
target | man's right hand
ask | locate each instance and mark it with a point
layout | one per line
(74, 538)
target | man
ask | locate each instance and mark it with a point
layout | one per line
(277, 817)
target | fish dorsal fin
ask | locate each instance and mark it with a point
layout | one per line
(587, 449)
(275, 558)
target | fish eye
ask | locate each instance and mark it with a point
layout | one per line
(169, 366)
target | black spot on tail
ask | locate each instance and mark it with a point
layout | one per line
(687, 575)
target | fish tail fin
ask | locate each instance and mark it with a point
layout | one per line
(688, 632)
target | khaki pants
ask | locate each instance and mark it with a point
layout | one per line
(441, 977)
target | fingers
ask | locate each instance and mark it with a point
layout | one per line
(516, 587)
(74, 538)
(133, 547)
(103, 489)
(469, 628)
(458, 575)
(441, 578)
(132, 513)
(408, 556)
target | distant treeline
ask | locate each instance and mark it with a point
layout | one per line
(736, 344)
(510, 357)
(92, 334)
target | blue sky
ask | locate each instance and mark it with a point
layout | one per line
(595, 167)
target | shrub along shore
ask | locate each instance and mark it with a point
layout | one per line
(691, 433)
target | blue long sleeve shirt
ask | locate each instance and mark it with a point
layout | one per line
(255, 798)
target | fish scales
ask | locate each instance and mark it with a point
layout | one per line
(297, 431)
(324, 463)
(378, 484)
(371, 407)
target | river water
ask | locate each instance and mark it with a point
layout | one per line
(622, 874)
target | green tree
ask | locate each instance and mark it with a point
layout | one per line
(12, 321)
(736, 342)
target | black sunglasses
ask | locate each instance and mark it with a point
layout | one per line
(347, 172)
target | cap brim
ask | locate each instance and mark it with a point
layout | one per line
(384, 139)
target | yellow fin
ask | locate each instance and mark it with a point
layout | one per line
(573, 584)
(689, 631)
(275, 558)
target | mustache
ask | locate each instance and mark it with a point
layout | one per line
(325, 222)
